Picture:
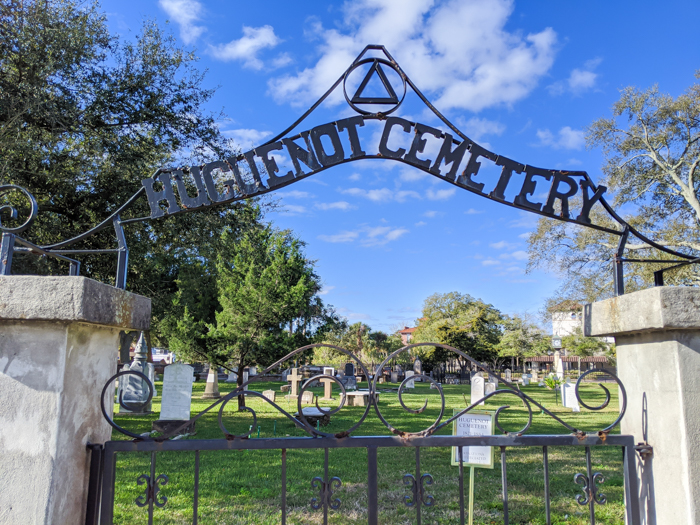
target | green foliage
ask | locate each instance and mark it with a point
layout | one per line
(460, 321)
(651, 146)
(522, 338)
(84, 117)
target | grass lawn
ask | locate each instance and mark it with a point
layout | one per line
(243, 487)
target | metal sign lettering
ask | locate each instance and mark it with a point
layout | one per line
(457, 160)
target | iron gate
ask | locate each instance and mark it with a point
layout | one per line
(104, 457)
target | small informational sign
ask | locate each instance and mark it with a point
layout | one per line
(556, 342)
(474, 423)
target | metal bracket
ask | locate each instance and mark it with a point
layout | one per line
(644, 450)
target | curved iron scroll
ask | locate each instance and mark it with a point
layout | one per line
(242, 175)
(301, 422)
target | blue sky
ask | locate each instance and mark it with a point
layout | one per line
(522, 79)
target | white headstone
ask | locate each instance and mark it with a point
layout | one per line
(270, 394)
(328, 371)
(307, 397)
(490, 388)
(177, 392)
(245, 379)
(253, 371)
(477, 389)
(568, 396)
(411, 383)
(526, 379)
(232, 376)
(509, 375)
(534, 376)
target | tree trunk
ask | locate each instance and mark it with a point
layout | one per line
(239, 382)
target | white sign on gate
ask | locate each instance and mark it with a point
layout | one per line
(474, 423)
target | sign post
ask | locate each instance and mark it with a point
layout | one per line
(475, 423)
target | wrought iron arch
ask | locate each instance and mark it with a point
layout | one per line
(255, 172)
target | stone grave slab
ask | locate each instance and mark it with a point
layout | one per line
(477, 389)
(270, 394)
(177, 398)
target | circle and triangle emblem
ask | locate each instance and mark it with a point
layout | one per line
(376, 87)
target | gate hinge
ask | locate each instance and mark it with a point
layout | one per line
(644, 450)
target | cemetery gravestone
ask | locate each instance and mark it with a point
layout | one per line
(295, 378)
(253, 371)
(270, 394)
(232, 376)
(477, 389)
(418, 367)
(526, 379)
(307, 397)
(568, 396)
(350, 369)
(394, 377)
(410, 383)
(177, 398)
(245, 379)
(509, 375)
(490, 388)
(328, 384)
(534, 376)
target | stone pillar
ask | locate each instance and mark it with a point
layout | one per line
(657, 332)
(59, 344)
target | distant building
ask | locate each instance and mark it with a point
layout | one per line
(567, 318)
(406, 334)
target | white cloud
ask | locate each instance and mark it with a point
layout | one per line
(472, 211)
(460, 52)
(430, 214)
(567, 138)
(519, 255)
(440, 195)
(246, 48)
(526, 220)
(326, 289)
(185, 13)
(580, 79)
(478, 127)
(339, 205)
(381, 194)
(292, 209)
(421, 223)
(525, 235)
(490, 262)
(355, 176)
(346, 236)
(371, 235)
(247, 137)
(500, 245)
(295, 194)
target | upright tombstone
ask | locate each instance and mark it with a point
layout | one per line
(349, 369)
(232, 376)
(477, 389)
(526, 379)
(509, 375)
(411, 383)
(295, 380)
(328, 384)
(535, 376)
(59, 341)
(177, 397)
(568, 396)
(133, 389)
(657, 335)
(394, 376)
(246, 377)
(418, 367)
(211, 390)
(489, 388)
(252, 371)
